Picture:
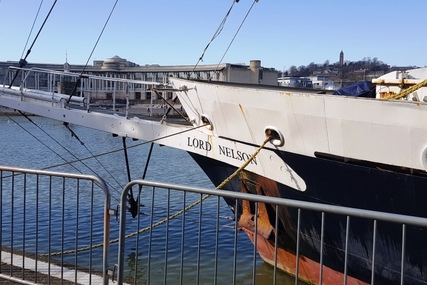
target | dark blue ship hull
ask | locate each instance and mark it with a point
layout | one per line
(350, 183)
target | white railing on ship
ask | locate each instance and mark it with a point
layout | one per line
(88, 84)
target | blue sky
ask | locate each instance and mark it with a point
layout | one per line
(280, 33)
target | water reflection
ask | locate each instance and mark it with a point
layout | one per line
(264, 273)
(24, 149)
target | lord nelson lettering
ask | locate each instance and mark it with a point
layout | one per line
(223, 150)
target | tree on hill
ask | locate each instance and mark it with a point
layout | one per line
(345, 71)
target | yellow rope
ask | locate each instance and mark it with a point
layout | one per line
(408, 91)
(244, 164)
(228, 179)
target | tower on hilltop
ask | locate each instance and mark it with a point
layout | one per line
(341, 58)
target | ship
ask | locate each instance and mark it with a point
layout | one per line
(365, 152)
(344, 149)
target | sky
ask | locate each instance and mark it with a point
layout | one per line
(280, 33)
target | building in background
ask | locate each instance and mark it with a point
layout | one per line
(117, 67)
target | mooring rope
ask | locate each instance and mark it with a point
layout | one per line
(408, 91)
(220, 186)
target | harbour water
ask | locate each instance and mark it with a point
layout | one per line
(48, 144)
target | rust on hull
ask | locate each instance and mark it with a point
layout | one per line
(308, 270)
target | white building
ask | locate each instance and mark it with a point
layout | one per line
(118, 67)
(301, 82)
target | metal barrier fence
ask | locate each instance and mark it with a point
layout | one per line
(44, 214)
(180, 235)
(185, 238)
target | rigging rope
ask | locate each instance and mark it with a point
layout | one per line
(234, 174)
(23, 61)
(228, 179)
(69, 152)
(219, 30)
(91, 53)
(235, 35)
(216, 34)
(73, 134)
(136, 211)
(120, 149)
(134, 204)
(52, 150)
(81, 160)
(31, 30)
(170, 107)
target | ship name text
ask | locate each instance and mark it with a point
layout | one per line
(235, 154)
(222, 150)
